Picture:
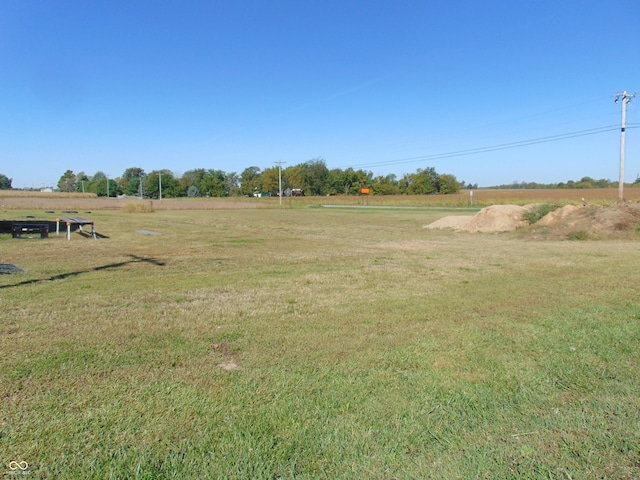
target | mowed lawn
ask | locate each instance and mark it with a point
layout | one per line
(317, 343)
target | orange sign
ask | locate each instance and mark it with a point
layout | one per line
(365, 191)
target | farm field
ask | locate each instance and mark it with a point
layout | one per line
(18, 200)
(315, 342)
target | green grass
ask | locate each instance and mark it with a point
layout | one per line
(365, 347)
(578, 235)
(538, 211)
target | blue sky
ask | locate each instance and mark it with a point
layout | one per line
(387, 86)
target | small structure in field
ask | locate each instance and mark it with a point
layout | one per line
(73, 223)
(28, 227)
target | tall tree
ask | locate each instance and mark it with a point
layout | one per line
(132, 174)
(293, 177)
(67, 182)
(385, 185)
(424, 181)
(98, 184)
(133, 187)
(448, 184)
(271, 180)
(365, 179)
(232, 180)
(191, 181)
(214, 184)
(5, 182)
(250, 180)
(82, 182)
(349, 181)
(170, 186)
(316, 176)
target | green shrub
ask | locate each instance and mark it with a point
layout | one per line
(578, 235)
(539, 211)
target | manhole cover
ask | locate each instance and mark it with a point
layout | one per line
(9, 268)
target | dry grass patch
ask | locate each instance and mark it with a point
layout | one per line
(15, 199)
(140, 206)
(41, 195)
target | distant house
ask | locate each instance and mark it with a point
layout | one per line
(46, 190)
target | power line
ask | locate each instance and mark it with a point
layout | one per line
(502, 146)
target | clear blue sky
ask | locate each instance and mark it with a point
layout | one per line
(106, 85)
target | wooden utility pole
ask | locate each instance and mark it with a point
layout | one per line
(626, 98)
(279, 162)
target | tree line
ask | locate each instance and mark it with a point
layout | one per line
(584, 182)
(307, 178)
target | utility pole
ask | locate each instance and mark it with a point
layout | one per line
(279, 162)
(160, 185)
(107, 185)
(626, 98)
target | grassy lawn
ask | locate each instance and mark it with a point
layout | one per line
(317, 343)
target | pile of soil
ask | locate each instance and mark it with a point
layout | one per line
(570, 221)
(497, 218)
(589, 221)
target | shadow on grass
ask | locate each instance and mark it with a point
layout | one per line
(62, 276)
(88, 234)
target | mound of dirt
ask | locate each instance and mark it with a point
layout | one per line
(617, 219)
(570, 221)
(562, 215)
(456, 222)
(588, 221)
(497, 218)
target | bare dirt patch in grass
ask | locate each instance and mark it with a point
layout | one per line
(230, 361)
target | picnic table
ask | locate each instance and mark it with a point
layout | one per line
(71, 222)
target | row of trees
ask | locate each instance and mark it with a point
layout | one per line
(312, 178)
(584, 182)
(309, 178)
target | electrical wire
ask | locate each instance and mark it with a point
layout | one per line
(502, 146)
